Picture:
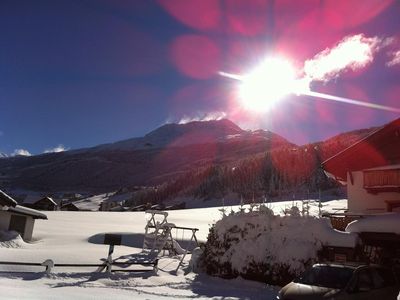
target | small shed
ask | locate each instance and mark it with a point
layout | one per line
(45, 203)
(17, 218)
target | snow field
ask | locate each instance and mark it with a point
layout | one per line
(74, 237)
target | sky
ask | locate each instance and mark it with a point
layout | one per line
(77, 74)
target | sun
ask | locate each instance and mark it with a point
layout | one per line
(267, 84)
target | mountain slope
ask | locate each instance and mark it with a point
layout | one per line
(199, 159)
(161, 155)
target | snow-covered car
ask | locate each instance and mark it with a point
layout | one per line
(343, 281)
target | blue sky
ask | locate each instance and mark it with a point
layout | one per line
(82, 73)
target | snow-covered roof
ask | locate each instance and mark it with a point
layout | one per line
(27, 212)
(7, 200)
(380, 148)
(33, 200)
(388, 222)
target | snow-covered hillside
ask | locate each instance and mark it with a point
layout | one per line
(159, 156)
(198, 159)
(72, 237)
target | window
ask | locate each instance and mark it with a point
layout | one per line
(393, 206)
(364, 282)
(383, 278)
(327, 276)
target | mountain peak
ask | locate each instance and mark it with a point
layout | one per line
(219, 128)
(172, 134)
(192, 132)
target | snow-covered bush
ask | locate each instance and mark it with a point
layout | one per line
(261, 246)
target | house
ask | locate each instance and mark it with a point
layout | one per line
(45, 203)
(115, 202)
(70, 206)
(371, 170)
(17, 218)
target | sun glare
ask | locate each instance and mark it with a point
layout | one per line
(267, 84)
(275, 78)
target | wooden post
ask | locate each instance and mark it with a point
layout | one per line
(109, 258)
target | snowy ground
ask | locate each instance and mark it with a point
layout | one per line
(73, 237)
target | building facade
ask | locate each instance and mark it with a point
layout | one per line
(371, 170)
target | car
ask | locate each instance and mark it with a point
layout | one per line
(342, 282)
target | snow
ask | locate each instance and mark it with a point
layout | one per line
(91, 203)
(290, 240)
(388, 222)
(27, 211)
(120, 198)
(75, 237)
(11, 239)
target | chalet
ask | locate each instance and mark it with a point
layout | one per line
(17, 218)
(45, 203)
(371, 170)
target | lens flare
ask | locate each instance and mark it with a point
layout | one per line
(352, 101)
(267, 84)
(275, 78)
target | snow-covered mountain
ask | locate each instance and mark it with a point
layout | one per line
(196, 157)
(197, 132)
(155, 158)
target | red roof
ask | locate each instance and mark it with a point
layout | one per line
(380, 148)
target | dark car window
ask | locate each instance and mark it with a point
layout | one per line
(377, 279)
(326, 276)
(364, 282)
(382, 277)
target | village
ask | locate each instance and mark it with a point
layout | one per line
(365, 230)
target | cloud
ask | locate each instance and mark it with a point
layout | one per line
(352, 52)
(21, 152)
(395, 59)
(204, 117)
(59, 148)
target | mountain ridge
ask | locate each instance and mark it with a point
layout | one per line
(161, 156)
(196, 132)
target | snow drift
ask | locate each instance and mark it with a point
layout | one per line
(11, 239)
